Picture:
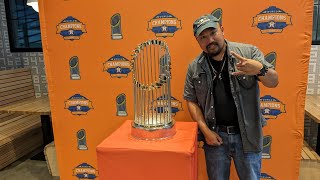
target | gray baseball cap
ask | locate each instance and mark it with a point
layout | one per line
(204, 22)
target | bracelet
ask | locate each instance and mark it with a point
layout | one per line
(263, 71)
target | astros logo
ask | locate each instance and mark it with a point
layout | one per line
(272, 20)
(71, 28)
(164, 25)
(78, 105)
(271, 107)
(117, 66)
(161, 105)
(85, 171)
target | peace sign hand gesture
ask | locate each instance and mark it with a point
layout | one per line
(246, 66)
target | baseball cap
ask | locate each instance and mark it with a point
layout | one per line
(204, 22)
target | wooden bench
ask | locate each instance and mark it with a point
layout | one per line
(307, 153)
(20, 134)
(312, 110)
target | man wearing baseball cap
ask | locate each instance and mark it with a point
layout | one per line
(222, 94)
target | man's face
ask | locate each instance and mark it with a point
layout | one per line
(211, 41)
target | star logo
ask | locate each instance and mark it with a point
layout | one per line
(70, 32)
(272, 24)
(267, 111)
(118, 70)
(164, 28)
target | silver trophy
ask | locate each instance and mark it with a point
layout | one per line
(151, 80)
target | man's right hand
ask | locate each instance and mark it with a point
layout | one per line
(213, 139)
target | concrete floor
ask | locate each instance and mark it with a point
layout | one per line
(26, 169)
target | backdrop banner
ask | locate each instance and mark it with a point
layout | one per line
(88, 45)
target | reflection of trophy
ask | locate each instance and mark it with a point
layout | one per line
(151, 78)
(74, 68)
(116, 26)
(82, 140)
(121, 105)
(266, 151)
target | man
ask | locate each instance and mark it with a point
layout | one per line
(222, 94)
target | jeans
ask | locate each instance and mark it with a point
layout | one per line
(218, 159)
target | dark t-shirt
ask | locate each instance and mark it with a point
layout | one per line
(225, 108)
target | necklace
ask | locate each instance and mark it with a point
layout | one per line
(215, 72)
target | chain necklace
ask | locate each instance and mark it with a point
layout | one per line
(215, 72)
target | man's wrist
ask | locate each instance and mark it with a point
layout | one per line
(263, 71)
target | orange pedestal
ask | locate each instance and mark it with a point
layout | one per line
(121, 157)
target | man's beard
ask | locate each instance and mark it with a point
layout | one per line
(213, 53)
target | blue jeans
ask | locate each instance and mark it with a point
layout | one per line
(218, 159)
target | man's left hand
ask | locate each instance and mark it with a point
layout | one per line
(246, 66)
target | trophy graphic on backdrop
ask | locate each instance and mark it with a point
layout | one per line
(74, 68)
(116, 27)
(121, 105)
(266, 151)
(151, 79)
(82, 140)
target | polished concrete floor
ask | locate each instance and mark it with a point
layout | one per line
(26, 169)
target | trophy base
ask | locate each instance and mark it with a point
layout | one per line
(153, 134)
(82, 147)
(116, 36)
(266, 156)
(122, 113)
(75, 77)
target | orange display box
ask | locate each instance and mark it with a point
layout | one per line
(121, 157)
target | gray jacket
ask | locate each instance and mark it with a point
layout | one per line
(244, 89)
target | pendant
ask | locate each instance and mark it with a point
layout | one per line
(220, 76)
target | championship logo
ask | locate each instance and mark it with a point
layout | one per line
(272, 20)
(164, 25)
(85, 171)
(117, 66)
(71, 28)
(78, 105)
(271, 58)
(271, 107)
(161, 105)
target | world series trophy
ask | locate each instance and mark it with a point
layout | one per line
(151, 79)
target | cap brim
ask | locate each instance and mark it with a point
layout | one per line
(208, 25)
